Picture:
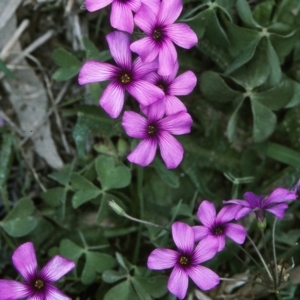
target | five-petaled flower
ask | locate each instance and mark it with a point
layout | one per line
(158, 24)
(172, 86)
(217, 226)
(126, 76)
(274, 204)
(185, 262)
(121, 12)
(38, 285)
(156, 130)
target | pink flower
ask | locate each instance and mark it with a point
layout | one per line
(185, 262)
(274, 204)
(154, 131)
(39, 283)
(161, 33)
(121, 12)
(218, 226)
(172, 87)
(126, 76)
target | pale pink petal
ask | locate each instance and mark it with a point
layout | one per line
(183, 84)
(56, 268)
(227, 213)
(183, 236)
(156, 111)
(243, 212)
(160, 259)
(170, 149)
(145, 19)
(153, 5)
(203, 277)
(143, 154)
(221, 242)
(140, 69)
(121, 17)
(205, 250)
(236, 232)
(96, 71)
(53, 293)
(92, 5)
(179, 123)
(119, 43)
(174, 105)
(112, 99)
(146, 48)
(135, 125)
(207, 213)
(182, 35)
(169, 11)
(134, 4)
(280, 195)
(144, 92)
(24, 260)
(36, 296)
(13, 290)
(178, 282)
(169, 79)
(167, 58)
(278, 210)
(200, 232)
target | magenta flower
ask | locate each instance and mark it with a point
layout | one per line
(39, 283)
(218, 226)
(121, 12)
(156, 131)
(185, 262)
(273, 204)
(126, 76)
(161, 33)
(172, 87)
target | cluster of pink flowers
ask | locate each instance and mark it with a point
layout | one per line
(210, 238)
(150, 79)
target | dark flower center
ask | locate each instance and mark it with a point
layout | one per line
(151, 130)
(125, 78)
(183, 260)
(156, 34)
(218, 230)
(38, 284)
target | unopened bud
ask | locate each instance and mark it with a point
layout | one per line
(116, 208)
(262, 224)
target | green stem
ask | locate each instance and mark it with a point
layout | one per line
(278, 296)
(274, 254)
(7, 239)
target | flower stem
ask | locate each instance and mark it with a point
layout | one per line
(274, 255)
(278, 296)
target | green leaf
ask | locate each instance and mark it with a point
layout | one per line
(112, 276)
(70, 250)
(264, 121)
(81, 183)
(6, 70)
(111, 176)
(123, 262)
(101, 261)
(156, 286)
(54, 197)
(5, 157)
(122, 291)
(262, 12)
(245, 14)
(167, 176)
(63, 176)
(274, 65)
(92, 51)
(88, 273)
(63, 58)
(231, 127)
(296, 95)
(65, 73)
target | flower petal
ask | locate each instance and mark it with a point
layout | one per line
(145, 19)
(207, 213)
(179, 123)
(178, 282)
(13, 290)
(144, 92)
(134, 4)
(140, 69)
(237, 202)
(253, 199)
(119, 43)
(146, 48)
(280, 195)
(112, 99)
(203, 277)
(156, 111)
(24, 260)
(121, 17)
(96, 71)
(182, 35)
(227, 213)
(169, 79)
(56, 268)
(153, 78)
(278, 209)
(242, 212)
(200, 232)
(160, 259)
(183, 236)
(167, 58)
(236, 232)
(153, 5)
(169, 11)
(205, 250)
(135, 125)
(183, 84)
(174, 105)
(53, 293)
(143, 154)
(221, 242)
(170, 149)
(92, 5)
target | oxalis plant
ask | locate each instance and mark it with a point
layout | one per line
(128, 216)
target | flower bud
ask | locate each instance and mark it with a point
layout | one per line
(262, 224)
(116, 208)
